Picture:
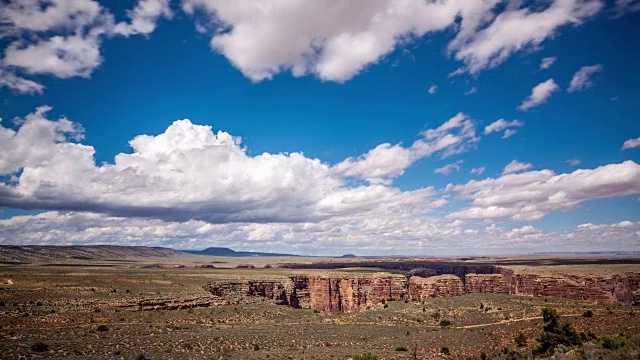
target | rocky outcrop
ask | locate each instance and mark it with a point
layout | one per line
(606, 289)
(435, 287)
(331, 293)
(486, 283)
(354, 293)
(358, 292)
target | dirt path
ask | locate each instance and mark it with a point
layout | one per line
(508, 321)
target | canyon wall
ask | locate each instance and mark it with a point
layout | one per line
(359, 292)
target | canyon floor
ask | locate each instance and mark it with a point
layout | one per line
(101, 309)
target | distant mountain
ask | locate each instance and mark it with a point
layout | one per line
(348, 256)
(221, 251)
(50, 253)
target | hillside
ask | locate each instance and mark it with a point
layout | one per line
(48, 253)
(222, 251)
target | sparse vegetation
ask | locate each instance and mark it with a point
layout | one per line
(445, 350)
(555, 334)
(401, 348)
(587, 314)
(445, 323)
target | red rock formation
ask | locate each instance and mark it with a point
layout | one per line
(486, 283)
(435, 286)
(605, 289)
(354, 293)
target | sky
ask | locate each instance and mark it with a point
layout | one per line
(373, 127)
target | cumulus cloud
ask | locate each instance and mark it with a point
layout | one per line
(373, 234)
(530, 195)
(547, 62)
(581, 79)
(502, 124)
(144, 17)
(187, 172)
(539, 94)
(62, 38)
(449, 168)
(433, 89)
(631, 143)
(337, 40)
(387, 161)
(515, 166)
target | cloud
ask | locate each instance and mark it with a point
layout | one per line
(337, 40)
(449, 168)
(186, 173)
(631, 143)
(547, 62)
(580, 80)
(515, 166)
(62, 38)
(486, 40)
(502, 124)
(530, 195)
(478, 170)
(473, 90)
(539, 94)
(387, 161)
(433, 89)
(574, 162)
(144, 17)
(373, 234)
(23, 86)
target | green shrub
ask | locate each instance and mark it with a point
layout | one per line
(555, 334)
(39, 347)
(520, 339)
(613, 342)
(483, 356)
(587, 314)
(102, 328)
(256, 347)
(445, 323)
(445, 350)
(400, 348)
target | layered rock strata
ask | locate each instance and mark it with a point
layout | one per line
(353, 293)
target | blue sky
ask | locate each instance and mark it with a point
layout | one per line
(377, 127)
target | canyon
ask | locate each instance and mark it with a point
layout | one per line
(355, 292)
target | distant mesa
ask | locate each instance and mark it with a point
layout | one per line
(348, 256)
(222, 251)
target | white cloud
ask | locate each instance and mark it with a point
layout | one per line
(187, 172)
(486, 40)
(631, 143)
(500, 125)
(23, 86)
(473, 90)
(387, 161)
(580, 80)
(547, 62)
(449, 168)
(433, 89)
(514, 166)
(363, 235)
(539, 94)
(62, 38)
(574, 162)
(337, 40)
(144, 17)
(529, 196)
(478, 170)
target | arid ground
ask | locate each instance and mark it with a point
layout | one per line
(81, 309)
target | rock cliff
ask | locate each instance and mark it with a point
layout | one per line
(358, 292)
(435, 287)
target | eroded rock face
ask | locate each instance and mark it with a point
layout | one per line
(358, 292)
(435, 287)
(604, 289)
(354, 293)
(486, 283)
